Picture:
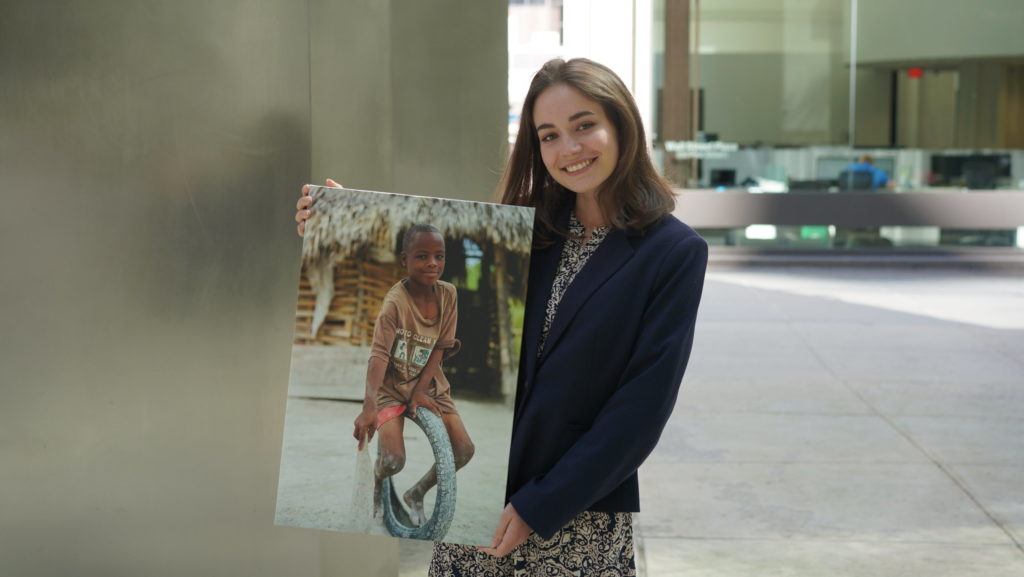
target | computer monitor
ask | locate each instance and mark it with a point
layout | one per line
(977, 171)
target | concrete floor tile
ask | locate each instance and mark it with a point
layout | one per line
(856, 501)
(966, 440)
(930, 398)
(746, 437)
(785, 395)
(725, 301)
(790, 558)
(898, 364)
(761, 338)
(937, 337)
(772, 369)
(1000, 490)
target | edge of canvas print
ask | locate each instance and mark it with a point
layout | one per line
(407, 336)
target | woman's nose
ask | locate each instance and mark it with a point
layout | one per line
(572, 145)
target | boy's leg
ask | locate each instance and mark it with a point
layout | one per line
(462, 448)
(391, 459)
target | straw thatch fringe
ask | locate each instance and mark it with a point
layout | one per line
(345, 221)
(321, 280)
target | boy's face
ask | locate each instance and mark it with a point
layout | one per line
(424, 260)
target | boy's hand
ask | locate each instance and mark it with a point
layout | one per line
(365, 426)
(302, 208)
(421, 399)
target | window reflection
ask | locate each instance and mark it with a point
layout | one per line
(935, 100)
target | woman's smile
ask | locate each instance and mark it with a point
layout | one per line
(576, 168)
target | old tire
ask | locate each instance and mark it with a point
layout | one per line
(396, 519)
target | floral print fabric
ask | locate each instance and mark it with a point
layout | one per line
(575, 254)
(593, 544)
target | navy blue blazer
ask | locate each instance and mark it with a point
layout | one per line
(593, 406)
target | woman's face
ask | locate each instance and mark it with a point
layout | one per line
(577, 141)
(424, 259)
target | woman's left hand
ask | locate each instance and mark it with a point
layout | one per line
(512, 532)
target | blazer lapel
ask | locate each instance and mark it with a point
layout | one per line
(611, 254)
(543, 266)
(541, 279)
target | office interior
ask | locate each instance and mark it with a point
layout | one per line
(930, 93)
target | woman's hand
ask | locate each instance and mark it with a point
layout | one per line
(512, 532)
(302, 208)
(365, 425)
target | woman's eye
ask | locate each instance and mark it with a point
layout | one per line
(548, 137)
(585, 125)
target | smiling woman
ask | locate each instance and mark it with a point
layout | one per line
(577, 141)
(589, 409)
(580, 113)
(614, 285)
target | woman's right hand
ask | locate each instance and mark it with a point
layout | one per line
(303, 207)
(365, 426)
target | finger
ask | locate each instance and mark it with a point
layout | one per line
(301, 227)
(507, 545)
(332, 184)
(304, 202)
(504, 549)
(499, 531)
(305, 190)
(435, 408)
(302, 215)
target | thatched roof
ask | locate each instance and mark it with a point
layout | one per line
(343, 221)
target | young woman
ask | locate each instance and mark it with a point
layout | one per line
(615, 282)
(414, 332)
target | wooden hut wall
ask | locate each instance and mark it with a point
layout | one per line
(359, 289)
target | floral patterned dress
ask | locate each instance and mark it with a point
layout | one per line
(593, 543)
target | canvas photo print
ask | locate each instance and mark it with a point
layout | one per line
(404, 363)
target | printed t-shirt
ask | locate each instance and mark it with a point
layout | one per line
(404, 339)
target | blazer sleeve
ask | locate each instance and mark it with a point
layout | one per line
(630, 423)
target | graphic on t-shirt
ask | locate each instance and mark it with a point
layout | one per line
(401, 352)
(420, 356)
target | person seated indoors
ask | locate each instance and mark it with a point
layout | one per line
(863, 168)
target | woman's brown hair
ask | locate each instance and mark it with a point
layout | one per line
(634, 196)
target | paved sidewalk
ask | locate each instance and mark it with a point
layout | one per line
(841, 422)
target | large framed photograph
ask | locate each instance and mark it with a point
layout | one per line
(404, 363)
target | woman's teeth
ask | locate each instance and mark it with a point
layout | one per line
(579, 166)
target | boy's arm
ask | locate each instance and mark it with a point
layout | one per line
(374, 379)
(431, 370)
(380, 356)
